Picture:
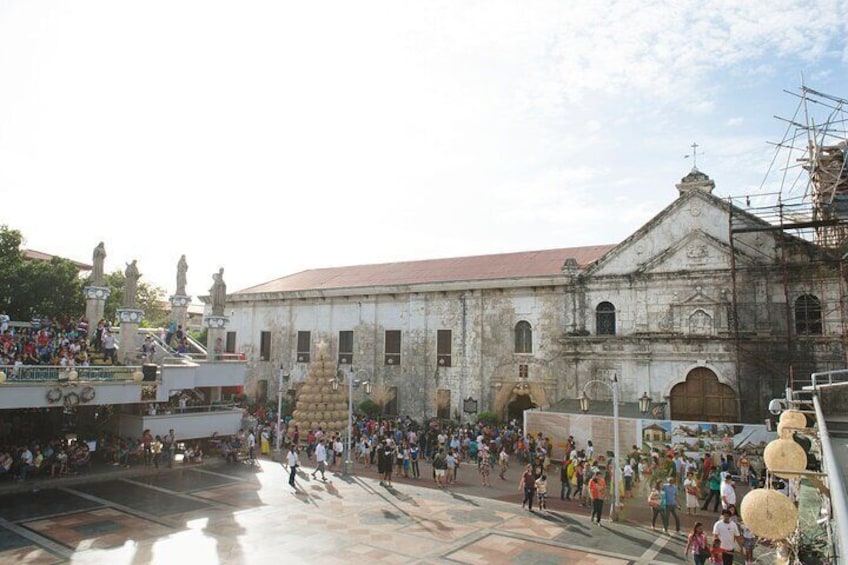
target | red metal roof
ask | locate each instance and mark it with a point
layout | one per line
(34, 255)
(523, 264)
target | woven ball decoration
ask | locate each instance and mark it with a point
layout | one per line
(784, 431)
(782, 456)
(793, 419)
(769, 514)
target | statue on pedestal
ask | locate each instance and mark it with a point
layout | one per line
(182, 267)
(131, 284)
(97, 265)
(218, 293)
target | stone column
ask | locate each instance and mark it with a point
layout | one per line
(129, 319)
(95, 305)
(179, 309)
(216, 328)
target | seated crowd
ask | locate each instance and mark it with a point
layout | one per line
(61, 342)
(55, 458)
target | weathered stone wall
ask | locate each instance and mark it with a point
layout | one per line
(672, 286)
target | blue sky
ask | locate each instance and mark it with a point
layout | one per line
(269, 137)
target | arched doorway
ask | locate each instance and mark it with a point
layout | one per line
(515, 409)
(702, 398)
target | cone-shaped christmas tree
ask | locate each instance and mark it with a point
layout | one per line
(317, 404)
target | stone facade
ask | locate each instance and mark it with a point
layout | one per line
(681, 295)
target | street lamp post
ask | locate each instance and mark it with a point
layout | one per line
(351, 381)
(616, 469)
(279, 409)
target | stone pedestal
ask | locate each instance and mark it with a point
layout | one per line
(95, 305)
(129, 319)
(179, 309)
(216, 329)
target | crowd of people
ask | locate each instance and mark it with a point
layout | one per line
(60, 342)
(54, 458)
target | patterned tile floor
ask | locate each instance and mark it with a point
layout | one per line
(232, 514)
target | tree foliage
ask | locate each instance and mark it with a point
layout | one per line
(35, 289)
(149, 298)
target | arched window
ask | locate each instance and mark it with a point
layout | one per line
(605, 319)
(523, 337)
(808, 315)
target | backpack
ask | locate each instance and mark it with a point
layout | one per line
(439, 462)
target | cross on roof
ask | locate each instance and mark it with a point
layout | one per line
(694, 155)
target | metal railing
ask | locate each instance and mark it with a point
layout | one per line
(829, 378)
(171, 410)
(838, 503)
(56, 373)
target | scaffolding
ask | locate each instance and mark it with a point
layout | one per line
(803, 198)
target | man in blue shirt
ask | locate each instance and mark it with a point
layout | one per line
(671, 504)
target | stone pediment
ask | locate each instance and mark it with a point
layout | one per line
(689, 235)
(697, 251)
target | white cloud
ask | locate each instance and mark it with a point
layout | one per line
(284, 136)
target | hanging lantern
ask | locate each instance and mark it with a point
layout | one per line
(138, 376)
(783, 456)
(769, 514)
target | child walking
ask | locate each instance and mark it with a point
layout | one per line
(542, 491)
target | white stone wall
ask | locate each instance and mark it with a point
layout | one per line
(672, 286)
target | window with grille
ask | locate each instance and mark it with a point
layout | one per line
(523, 337)
(605, 319)
(808, 315)
(443, 348)
(304, 341)
(230, 346)
(346, 347)
(392, 356)
(265, 346)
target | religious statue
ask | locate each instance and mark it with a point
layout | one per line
(218, 293)
(131, 284)
(97, 268)
(182, 267)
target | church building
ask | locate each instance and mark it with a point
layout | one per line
(707, 310)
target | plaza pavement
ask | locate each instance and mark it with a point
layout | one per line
(217, 513)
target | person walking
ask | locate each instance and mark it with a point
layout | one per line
(485, 466)
(728, 492)
(414, 454)
(566, 473)
(440, 469)
(627, 472)
(697, 542)
(671, 504)
(388, 461)
(156, 447)
(655, 501)
(597, 492)
(528, 485)
(503, 463)
(320, 460)
(727, 536)
(714, 482)
(294, 462)
(170, 447)
(690, 486)
(542, 492)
